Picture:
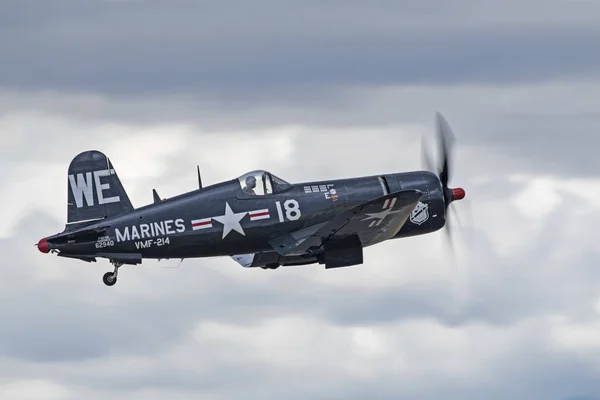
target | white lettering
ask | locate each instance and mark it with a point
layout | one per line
(104, 243)
(143, 245)
(168, 227)
(122, 237)
(100, 187)
(292, 210)
(159, 227)
(162, 241)
(145, 229)
(134, 233)
(82, 187)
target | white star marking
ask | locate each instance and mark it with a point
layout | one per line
(231, 221)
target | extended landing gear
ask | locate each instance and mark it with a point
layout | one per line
(110, 278)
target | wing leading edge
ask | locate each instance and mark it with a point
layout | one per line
(373, 222)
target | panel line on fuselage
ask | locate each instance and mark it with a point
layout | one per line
(384, 185)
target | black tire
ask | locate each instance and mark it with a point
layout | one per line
(108, 279)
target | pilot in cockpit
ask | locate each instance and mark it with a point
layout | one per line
(250, 185)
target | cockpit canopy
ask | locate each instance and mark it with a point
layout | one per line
(260, 183)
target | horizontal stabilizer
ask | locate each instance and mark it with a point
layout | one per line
(82, 234)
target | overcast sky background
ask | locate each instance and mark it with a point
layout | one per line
(307, 90)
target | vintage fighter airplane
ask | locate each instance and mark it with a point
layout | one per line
(257, 219)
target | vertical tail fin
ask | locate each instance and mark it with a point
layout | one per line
(94, 190)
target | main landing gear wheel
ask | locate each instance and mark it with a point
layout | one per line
(110, 278)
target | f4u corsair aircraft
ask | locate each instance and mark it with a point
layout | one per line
(257, 219)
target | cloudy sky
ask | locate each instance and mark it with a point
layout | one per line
(307, 90)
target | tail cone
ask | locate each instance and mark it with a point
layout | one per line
(43, 246)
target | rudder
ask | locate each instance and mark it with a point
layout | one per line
(94, 190)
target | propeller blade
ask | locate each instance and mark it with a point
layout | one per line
(470, 222)
(426, 159)
(465, 230)
(448, 230)
(446, 141)
(457, 217)
(450, 243)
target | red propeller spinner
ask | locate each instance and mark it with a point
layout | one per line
(458, 193)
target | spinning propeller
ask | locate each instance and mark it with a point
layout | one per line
(445, 139)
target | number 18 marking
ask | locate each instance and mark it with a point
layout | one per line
(292, 210)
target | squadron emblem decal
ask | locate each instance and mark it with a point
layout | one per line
(420, 214)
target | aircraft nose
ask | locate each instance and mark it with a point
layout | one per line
(43, 245)
(458, 193)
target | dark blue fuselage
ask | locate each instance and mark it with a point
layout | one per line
(187, 226)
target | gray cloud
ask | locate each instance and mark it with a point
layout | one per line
(238, 49)
(61, 323)
(160, 87)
